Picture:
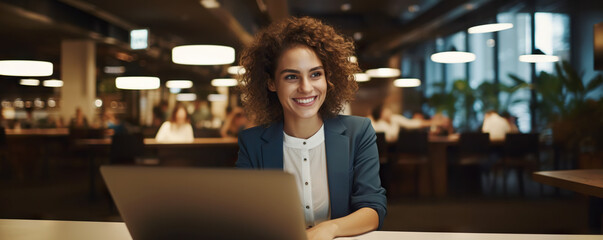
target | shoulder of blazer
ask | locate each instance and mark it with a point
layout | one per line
(348, 125)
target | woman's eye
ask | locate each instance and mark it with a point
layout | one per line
(290, 77)
(316, 74)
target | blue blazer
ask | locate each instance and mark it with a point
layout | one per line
(352, 161)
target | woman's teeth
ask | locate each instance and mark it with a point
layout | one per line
(304, 100)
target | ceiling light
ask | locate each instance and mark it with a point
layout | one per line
(346, 7)
(224, 82)
(115, 69)
(383, 72)
(486, 28)
(407, 82)
(29, 82)
(353, 59)
(186, 97)
(182, 84)
(236, 70)
(453, 57)
(217, 97)
(538, 56)
(357, 36)
(98, 103)
(210, 3)
(137, 83)
(52, 83)
(203, 55)
(25, 68)
(361, 77)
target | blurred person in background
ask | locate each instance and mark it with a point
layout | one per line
(235, 122)
(385, 121)
(160, 113)
(178, 128)
(512, 120)
(495, 125)
(79, 120)
(201, 115)
(441, 125)
(297, 80)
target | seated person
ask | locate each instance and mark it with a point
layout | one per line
(294, 92)
(177, 129)
(384, 120)
(497, 126)
(235, 122)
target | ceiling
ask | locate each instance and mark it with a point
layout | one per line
(380, 28)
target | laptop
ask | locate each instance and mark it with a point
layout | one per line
(201, 203)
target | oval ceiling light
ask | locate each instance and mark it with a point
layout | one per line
(186, 97)
(224, 82)
(361, 77)
(182, 84)
(137, 83)
(217, 97)
(203, 55)
(453, 57)
(383, 72)
(538, 56)
(29, 82)
(52, 83)
(236, 70)
(407, 82)
(486, 28)
(353, 59)
(25, 68)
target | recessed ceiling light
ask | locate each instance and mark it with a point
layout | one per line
(486, 28)
(453, 57)
(52, 83)
(179, 84)
(224, 82)
(361, 77)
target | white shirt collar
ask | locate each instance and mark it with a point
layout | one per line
(313, 141)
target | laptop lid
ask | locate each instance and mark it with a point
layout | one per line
(198, 203)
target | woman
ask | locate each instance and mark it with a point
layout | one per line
(177, 129)
(297, 79)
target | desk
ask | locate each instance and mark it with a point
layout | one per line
(209, 152)
(68, 230)
(38, 132)
(586, 181)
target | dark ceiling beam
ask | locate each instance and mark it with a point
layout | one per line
(233, 25)
(439, 15)
(277, 9)
(68, 19)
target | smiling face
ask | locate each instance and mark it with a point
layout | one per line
(300, 83)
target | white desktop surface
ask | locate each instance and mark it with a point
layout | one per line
(68, 230)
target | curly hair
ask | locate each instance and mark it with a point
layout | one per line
(261, 57)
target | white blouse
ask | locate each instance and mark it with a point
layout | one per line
(306, 160)
(174, 133)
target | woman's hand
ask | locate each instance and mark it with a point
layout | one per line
(323, 231)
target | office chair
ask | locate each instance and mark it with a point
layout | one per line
(412, 150)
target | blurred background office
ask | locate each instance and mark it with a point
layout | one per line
(469, 98)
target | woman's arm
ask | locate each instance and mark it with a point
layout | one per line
(361, 221)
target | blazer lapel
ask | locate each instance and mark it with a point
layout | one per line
(272, 149)
(338, 161)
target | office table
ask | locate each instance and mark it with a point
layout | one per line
(585, 181)
(208, 152)
(68, 230)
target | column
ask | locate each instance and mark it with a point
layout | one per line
(78, 72)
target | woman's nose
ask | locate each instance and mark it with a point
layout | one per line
(305, 85)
